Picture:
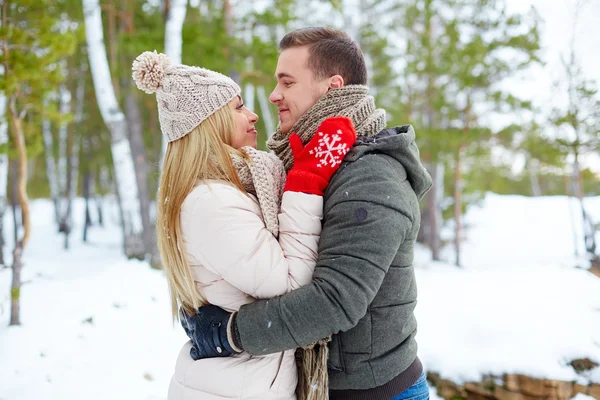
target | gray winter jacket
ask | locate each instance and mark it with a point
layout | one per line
(363, 290)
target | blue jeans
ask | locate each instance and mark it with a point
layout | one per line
(418, 391)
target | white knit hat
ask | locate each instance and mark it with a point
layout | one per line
(186, 95)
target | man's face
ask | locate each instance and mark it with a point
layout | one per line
(297, 89)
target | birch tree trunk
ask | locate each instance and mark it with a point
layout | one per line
(249, 96)
(65, 108)
(173, 28)
(230, 30)
(51, 161)
(176, 11)
(458, 205)
(265, 109)
(127, 190)
(434, 213)
(73, 179)
(20, 243)
(3, 171)
(533, 168)
(104, 185)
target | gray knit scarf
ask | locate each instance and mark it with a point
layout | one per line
(352, 101)
(262, 175)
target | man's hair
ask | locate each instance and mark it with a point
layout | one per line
(331, 52)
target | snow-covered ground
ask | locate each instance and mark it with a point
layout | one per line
(97, 326)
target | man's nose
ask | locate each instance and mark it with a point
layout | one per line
(275, 96)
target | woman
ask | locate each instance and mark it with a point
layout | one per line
(230, 228)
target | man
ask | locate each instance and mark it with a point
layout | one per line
(363, 291)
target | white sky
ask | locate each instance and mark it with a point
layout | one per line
(557, 34)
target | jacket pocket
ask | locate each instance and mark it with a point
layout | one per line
(336, 360)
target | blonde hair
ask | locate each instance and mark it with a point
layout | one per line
(204, 153)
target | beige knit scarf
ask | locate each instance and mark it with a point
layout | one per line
(352, 101)
(262, 175)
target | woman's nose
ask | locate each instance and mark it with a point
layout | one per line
(252, 117)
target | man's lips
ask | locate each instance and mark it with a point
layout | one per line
(283, 110)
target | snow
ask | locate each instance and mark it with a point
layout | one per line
(127, 351)
(581, 396)
(97, 325)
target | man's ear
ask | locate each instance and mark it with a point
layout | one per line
(336, 82)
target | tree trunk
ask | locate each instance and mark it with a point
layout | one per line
(589, 230)
(434, 210)
(14, 200)
(87, 186)
(534, 178)
(173, 27)
(175, 11)
(249, 96)
(424, 229)
(105, 184)
(127, 190)
(73, 177)
(51, 162)
(112, 43)
(15, 288)
(458, 205)
(265, 109)
(21, 243)
(136, 141)
(230, 30)
(3, 171)
(87, 177)
(65, 108)
(573, 219)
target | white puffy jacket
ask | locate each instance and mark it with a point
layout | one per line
(234, 260)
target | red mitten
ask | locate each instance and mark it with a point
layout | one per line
(315, 163)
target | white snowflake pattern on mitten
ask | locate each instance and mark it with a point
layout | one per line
(329, 152)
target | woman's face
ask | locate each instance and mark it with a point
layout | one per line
(245, 134)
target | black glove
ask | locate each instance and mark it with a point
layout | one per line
(207, 329)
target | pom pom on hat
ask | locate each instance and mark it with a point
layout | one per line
(149, 70)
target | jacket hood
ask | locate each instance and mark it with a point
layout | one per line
(398, 143)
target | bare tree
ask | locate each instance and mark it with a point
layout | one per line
(582, 117)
